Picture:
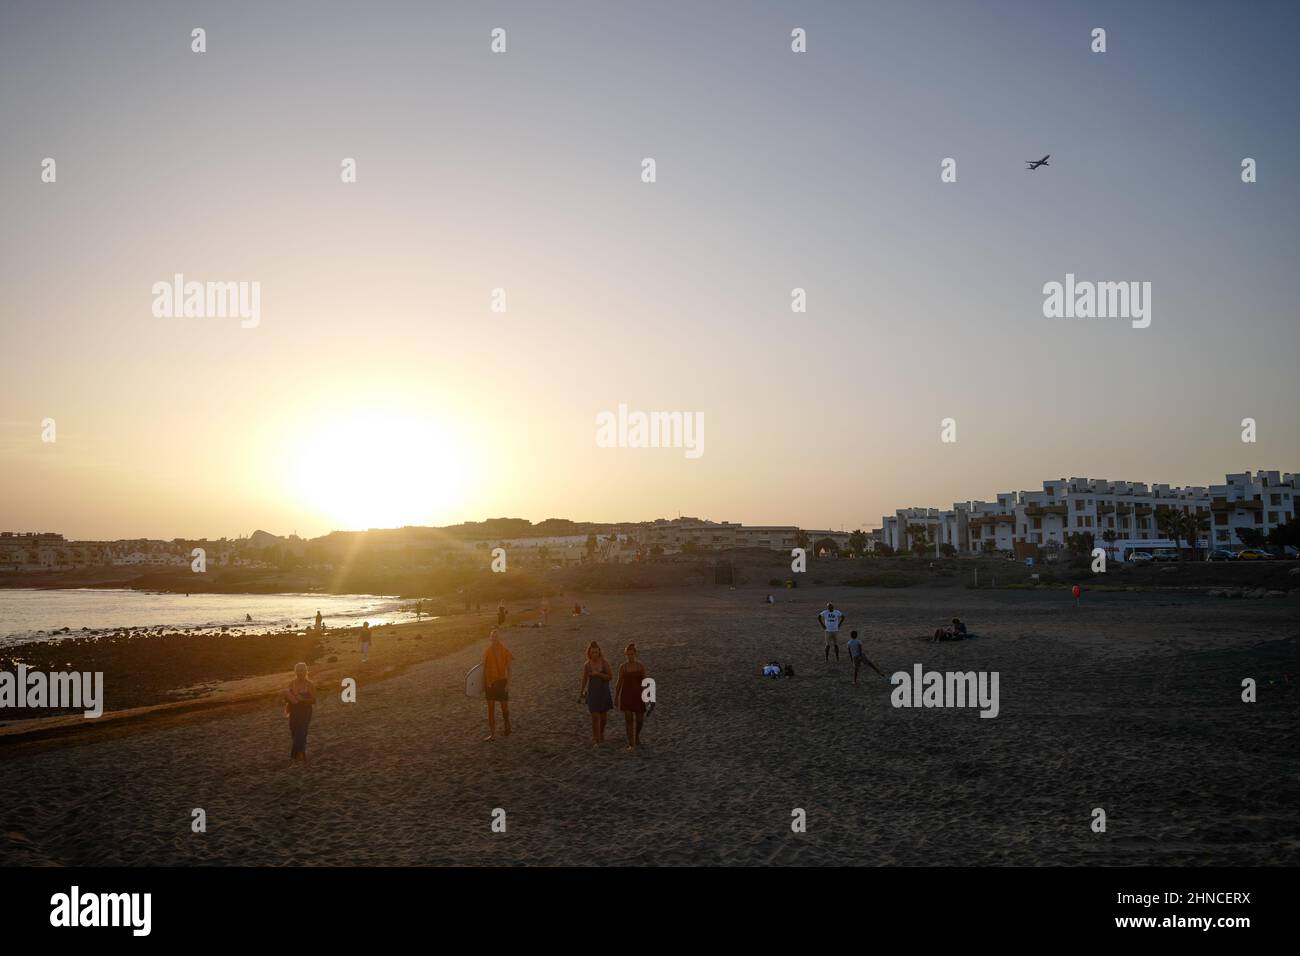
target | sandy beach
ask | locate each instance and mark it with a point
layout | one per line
(1130, 702)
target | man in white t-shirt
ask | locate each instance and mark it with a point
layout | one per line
(830, 620)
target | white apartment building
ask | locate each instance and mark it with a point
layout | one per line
(895, 528)
(1120, 515)
(1261, 502)
(991, 521)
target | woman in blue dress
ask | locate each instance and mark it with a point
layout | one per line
(596, 675)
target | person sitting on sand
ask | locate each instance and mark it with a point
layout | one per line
(298, 701)
(955, 633)
(496, 682)
(596, 675)
(628, 693)
(364, 641)
(858, 658)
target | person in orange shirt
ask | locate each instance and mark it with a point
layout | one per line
(496, 682)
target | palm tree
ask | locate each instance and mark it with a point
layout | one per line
(1194, 525)
(1170, 523)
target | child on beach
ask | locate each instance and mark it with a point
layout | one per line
(496, 682)
(628, 694)
(596, 675)
(856, 655)
(298, 701)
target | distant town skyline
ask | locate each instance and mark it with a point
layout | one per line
(1206, 489)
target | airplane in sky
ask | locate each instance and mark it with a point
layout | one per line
(1034, 164)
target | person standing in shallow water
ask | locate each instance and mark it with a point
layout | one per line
(596, 675)
(628, 694)
(299, 699)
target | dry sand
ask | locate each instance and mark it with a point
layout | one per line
(1130, 702)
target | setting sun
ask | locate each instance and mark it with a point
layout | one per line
(377, 469)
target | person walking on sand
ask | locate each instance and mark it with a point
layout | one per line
(496, 682)
(830, 620)
(364, 640)
(628, 692)
(546, 610)
(318, 621)
(858, 658)
(298, 700)
(596, 675)
(501, 613)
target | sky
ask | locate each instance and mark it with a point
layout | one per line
(379, 388)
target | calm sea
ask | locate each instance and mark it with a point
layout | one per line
(26, 613)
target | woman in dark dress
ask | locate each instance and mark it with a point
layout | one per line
(596, 675)
(298, 701)
(628, 692)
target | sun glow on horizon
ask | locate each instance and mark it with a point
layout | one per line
(375, 469)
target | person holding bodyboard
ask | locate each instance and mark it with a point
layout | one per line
(496, 682)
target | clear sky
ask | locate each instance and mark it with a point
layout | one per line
(380, 389)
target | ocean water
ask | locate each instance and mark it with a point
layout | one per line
(25, 613)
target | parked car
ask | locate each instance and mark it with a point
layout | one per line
(1253, 554)
(1164, 554)
(1290, 551)
(1222, 554)
(1141, 557)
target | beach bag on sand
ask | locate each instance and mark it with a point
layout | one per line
(771, 670)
